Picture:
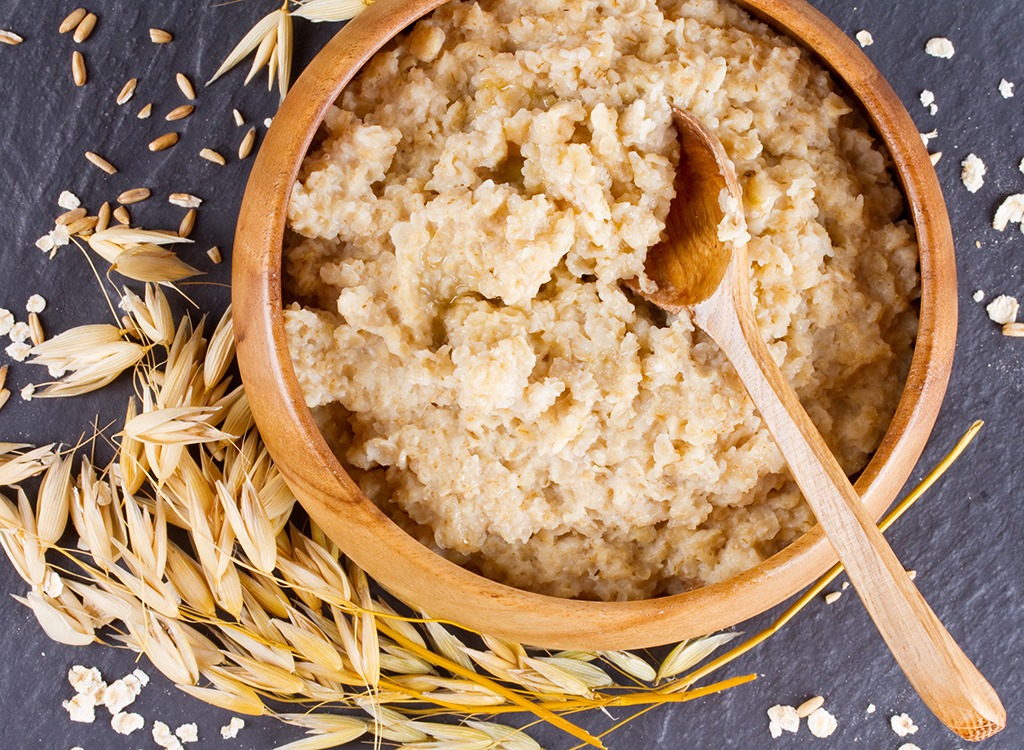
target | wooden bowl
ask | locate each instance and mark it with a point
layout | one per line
(425, 579)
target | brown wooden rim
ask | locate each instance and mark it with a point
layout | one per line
(423, 578)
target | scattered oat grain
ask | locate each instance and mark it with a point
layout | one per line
(188, 223)
(122, 216)
(72, 20)
(940, 47)
(821, 723)
(245, 148)
(103, 217)
(902, 725)
(9, 37)
(84, 29)
(159, 36)
(1006, 89)
(239, 120)
(163, 142)
(973, 173)
(5, 396)
(912, 574)
(833, 597)
(864, 38)
(185, 200)
(100, 162)
(1014, 330)
(210, 155)
(935, 157)
(186, 86)
(70, 217)
(145, 112)
(214, 254)
(180, 113)
(127, 91)
(78, 72)
(1002, 310)
(36, 332)
(135, 195)
(809, 706)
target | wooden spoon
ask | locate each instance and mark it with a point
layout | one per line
(696, 271)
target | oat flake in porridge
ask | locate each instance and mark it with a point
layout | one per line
(455, 256)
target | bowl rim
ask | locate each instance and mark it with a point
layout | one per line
(424, 579)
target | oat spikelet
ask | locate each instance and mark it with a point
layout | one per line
(183, 425)
(330, 11)
(331, 739)
(284, 53)
(264, 27)
(56, 621)
(690, 653)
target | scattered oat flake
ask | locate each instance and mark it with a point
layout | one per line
(185, 200)
(268, 122)
(940, 47)
(187, 732)
(1006, 89)
(973, 173)
(979, 295)
(163, 737)
(6, 322)
(821, 723)
(927, 98)
(870, 709)
(20, 332)
(123, 723)
(81, 708)
(833, 597)
(87, 680)
(18, 351)
(926, 137)
(902, 725)
(230, 730)
(785, 716)
(1001, 310)
(1010, 211)
(908, 746)
(864, 38)
(68, 200)
(774, 730)
(121, 693)
(51, 589)
(141, 676)
(35, 304)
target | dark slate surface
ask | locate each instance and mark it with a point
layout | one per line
(963, 538)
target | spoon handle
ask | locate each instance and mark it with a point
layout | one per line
(938, 669)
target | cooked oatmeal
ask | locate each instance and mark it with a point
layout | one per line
(457, 247)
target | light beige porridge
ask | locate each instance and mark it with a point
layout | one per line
(456, 251)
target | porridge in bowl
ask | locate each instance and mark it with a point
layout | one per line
(458, 324)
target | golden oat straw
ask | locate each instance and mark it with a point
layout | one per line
(84, 29)
(127, 91)
(212, 156)
(70, 23)
(164, 142)
(185, 85)
(9, 37)
(180, 113)
(78, 72)
(159, 36)
(135, 195)
(98, 161)
(245, 147)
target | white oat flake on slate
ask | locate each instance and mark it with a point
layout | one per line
(940, 47)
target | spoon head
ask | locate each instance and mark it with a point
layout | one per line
(691, 263)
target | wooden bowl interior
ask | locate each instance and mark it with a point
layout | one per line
(425, 579)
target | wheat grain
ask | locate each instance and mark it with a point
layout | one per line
(210, 155)
(135, 195)
(84, 29)
(159, 36)
(9, 37)
(145, 112)
(245, 147)
(186, 86)
(72, 20)
(78, 72)
(100, 162)
(180, 113)
(163, 142)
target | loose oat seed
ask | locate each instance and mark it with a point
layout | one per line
(70, 217)
(159, 36)
(100, 162)
(36, 328)
(1001, 310)
(164, 142)
(911, 574)
(84, 30)
(122, 216)
(1006, 89)
(9, 37)
(1014, 330)
(210, 155)
(973, 173)
(180, 113)
(127, 91)
(809, 706)
(3, 375)
(239, 120)
(821, 723)
(902, 725)
(187, 224)
(186, 86)
(78, 72)
(1010, 211)
(145, 112)
(214, 254)
(864, 38)
(935, 157)
(939, 47)
(134, 195)
(833, 597)
(103, 217)
(185, 200)
(73, 19)
(5, 395)
(245, 148)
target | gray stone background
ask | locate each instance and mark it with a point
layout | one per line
(963, 537)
